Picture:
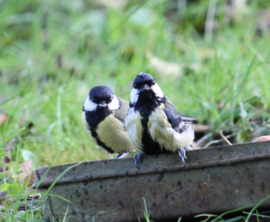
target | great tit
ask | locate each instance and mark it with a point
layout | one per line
(153, 124)
(103, 118)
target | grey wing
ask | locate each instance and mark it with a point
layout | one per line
(121, 113)
(185, 118)
(175, 118)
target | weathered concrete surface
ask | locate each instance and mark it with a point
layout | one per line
(212, 180)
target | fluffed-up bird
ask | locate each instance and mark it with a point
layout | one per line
(103, 118)
(153, 124)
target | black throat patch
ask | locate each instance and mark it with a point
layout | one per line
(146, 104)
(93, 118)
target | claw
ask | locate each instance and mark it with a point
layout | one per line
(121, 155)
(182, 154)
(138, 160)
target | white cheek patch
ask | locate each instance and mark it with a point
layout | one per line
(134, 96)
(157, 90)
(114, 104)
(89, 105)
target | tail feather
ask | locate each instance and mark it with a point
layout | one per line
(188, 119)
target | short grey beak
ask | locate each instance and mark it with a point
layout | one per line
(102, 104)
(144, 88)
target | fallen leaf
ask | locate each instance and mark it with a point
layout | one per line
(27, 172)
(170, 69)
(3, 118)
(261, 139)
(163, 67)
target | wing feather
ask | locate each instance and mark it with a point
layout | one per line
(175, 118)
(122, 113)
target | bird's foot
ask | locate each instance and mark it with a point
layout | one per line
(182, 154)
(121, 155)
(138, 160)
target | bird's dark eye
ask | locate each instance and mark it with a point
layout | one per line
(108, 100)
(95, 100)
(139, 85)
(151, 83)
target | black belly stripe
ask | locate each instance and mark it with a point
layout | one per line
(146, 107)
(150, 147)
(99, 142)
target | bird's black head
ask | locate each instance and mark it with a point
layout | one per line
(143, 80)
(145, 88)
(101, 97)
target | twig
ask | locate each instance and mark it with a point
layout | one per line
(223, 137)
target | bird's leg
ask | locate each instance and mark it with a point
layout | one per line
(182, 154)
(138, 160)
(121, 155)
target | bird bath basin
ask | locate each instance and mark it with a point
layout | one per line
(213, 180)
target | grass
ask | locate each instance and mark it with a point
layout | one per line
(53, 52)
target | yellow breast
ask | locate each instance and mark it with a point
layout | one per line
(112, 132)
(160, 129)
